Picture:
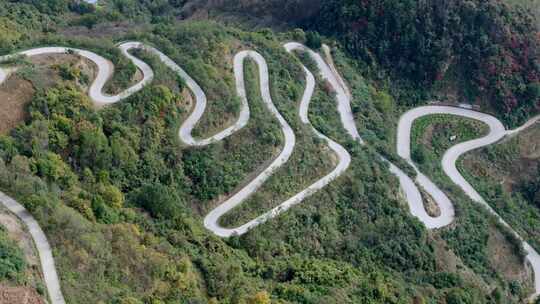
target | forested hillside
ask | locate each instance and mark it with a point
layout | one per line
(122, 200)
(488, 47)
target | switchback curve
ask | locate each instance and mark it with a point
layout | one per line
(343, 98)
(497, 131)
(412, 194)
(211, 220)
(105, 71)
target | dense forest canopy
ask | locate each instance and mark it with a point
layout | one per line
(494, 47)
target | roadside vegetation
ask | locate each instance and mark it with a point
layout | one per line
(12, 263)
(310, 160)
(530, 5)
(491, 46)
(474, 228)
(507, 175)
(206, 50)
(432, 135)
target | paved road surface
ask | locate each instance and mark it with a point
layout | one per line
(329, 73)
(496, 132)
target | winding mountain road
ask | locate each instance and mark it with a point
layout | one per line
(497, 131)
(105, 71)
(211, 221)
(42, 245)
(187, 127)
(327, 72)
(413, 196)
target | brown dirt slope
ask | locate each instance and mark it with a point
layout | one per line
(15, 93)
(19, 295)
(41, 73)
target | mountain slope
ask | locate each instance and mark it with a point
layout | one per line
(122, 200)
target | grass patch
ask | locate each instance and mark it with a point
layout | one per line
(432, 135)
(468, 236)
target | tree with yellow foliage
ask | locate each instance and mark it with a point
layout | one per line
(261, 297)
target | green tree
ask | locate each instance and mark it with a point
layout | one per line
(313, 40)
(93, 150)
(9, 34)
(159, 200)
(53, 168)
(12, 263)
(112, 196)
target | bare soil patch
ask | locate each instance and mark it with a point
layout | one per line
(504, 258)
(23, 239)
(19, 295)
(47, 75)
(430, 205)
(427, 137)
(53, 59)
(15, 93)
